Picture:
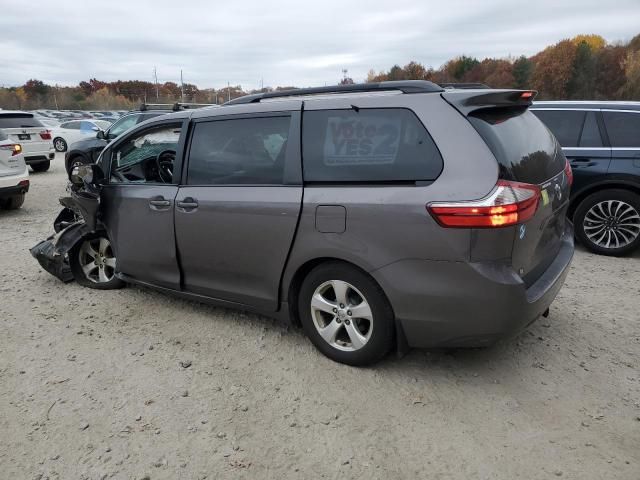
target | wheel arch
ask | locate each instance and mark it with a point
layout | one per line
(599, 187)
(72, 155)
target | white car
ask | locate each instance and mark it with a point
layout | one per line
(14, 173)
(74, 131)
(22, 128)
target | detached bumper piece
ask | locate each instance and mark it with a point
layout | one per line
(51, 253)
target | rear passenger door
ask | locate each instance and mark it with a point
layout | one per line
(237, 210)
(623, 129)
(580, 133)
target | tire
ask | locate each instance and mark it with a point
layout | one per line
(91, 249)
(342, 343)
(13, 202)
(608, 222)
(60, 144)
(41, 166)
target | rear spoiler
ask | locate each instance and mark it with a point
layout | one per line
(468, 101)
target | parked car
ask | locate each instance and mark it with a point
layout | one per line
(14, 173)
(602, 142)
(87, 150)
(75, 131)
(428, 217)
(35, 139)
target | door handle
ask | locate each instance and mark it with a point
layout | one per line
(582, 162)
(188, 204)
(159, 203)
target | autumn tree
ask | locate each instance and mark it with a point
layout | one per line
(553, 70)
(522, 68)
(581, 85)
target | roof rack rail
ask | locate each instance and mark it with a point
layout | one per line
(404, 86)
(464, 86)
(173, 106)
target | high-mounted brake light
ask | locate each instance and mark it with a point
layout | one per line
(526, 95)
(15, 148)
(568, 173)
(508, 204)
(46, 135)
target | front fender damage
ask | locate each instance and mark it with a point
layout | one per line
(52, 253)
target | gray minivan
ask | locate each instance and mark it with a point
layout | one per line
(375, 215)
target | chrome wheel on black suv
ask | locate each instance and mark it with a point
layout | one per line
(608, 222)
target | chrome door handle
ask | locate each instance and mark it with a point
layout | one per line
(160, 203)
(188, 204)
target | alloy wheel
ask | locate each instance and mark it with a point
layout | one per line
(97, 260)
(612, 224)
(59, 145)
(342, 316)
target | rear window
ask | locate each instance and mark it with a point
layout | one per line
(566, 125)
(623, 129)
(525, 149)
(18, 120)
(367, 145)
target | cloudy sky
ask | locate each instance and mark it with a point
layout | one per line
(280, 42)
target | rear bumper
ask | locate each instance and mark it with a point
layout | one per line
(459, 304)
(9, 185)
(39, 155)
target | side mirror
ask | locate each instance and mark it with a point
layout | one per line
(101, 135)
(95, 129)
(86, 174)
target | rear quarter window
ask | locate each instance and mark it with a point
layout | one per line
(524, 147)
(18, 120)
(566, 125)
(367, 145)
(623, 129)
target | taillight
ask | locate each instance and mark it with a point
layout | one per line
(46, 135)
(24, 183)
(508, 204)
(568, 173)
(15, 148)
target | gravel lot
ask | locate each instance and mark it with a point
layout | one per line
(94, 385)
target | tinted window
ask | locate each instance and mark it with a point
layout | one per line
(590, 132)
(146, 157)
(241, 151)
(565, 124)
(18, 120)
(623, 128)
(369, 145)
(122, 125)
(71, 125)
(525, 149)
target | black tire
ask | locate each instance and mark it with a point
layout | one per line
(60, 144)
(78, 257)
(13, 202)
(41, 166)
(381, 336)
(584, 220)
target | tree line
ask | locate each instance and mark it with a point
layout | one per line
(585, 67)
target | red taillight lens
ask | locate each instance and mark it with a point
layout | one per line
(508, 204)
(15, 148)
(568, 173)
(46, 135)
(527, 95)
(23, 183)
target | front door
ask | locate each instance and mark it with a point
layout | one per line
(138, 204)
(237, 212)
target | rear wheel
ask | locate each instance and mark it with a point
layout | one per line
(14, 202)
(93, 263)
(60, 144)
(41, 166)
(345, 314)
(608, 222)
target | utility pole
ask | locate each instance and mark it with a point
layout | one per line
(155, 75)
(228, 91)
(181, 86)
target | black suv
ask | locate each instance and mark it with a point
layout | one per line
(602, 142)
(87, 151)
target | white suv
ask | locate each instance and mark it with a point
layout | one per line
(24, 129)
(14, 174)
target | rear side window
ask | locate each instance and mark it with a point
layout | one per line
(566, 125)
(71, 125)
(245, 151)
(623, 129)
(18, 120)
(525, 149)
(368, 145)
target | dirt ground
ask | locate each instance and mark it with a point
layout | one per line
(93, 385)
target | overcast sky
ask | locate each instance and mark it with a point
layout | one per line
(297, 43)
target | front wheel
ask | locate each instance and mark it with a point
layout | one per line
(345, 314)
(60, 144)
(608, 222)
(93, 263)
